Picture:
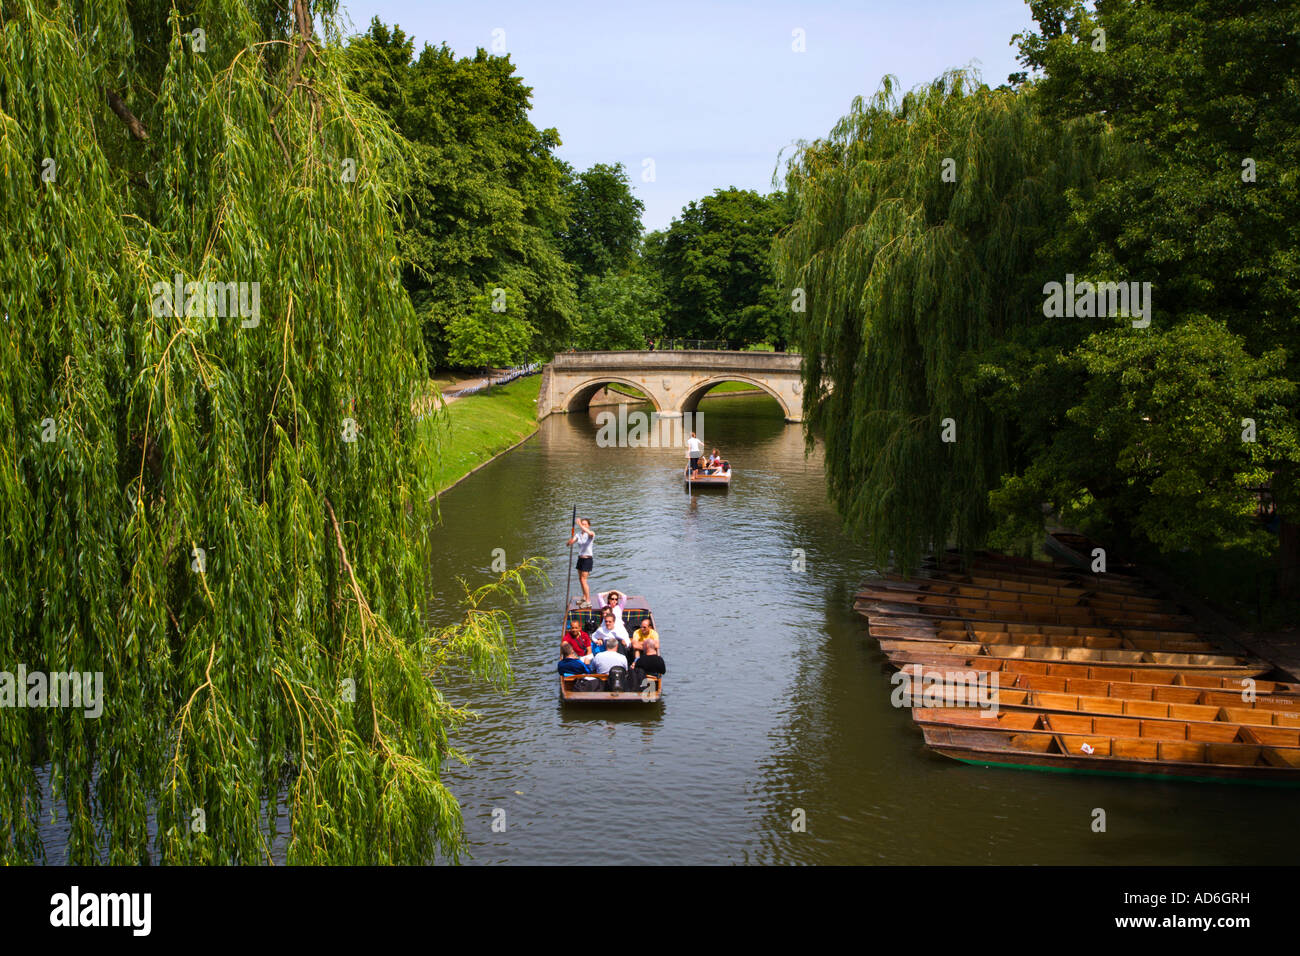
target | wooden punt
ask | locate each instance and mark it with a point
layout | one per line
(1200, 761)
(570, 696)
(1012, 669)
(1006, 565)
(1018, 609)
(635, 609)
(1114, 744)
(1086, 726)
(723, 479)
(1044, 702)
(1049, 640)
(1026, 594)
(1153, 660)
(888, 605)
(1269, 696)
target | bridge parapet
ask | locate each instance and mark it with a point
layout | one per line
(674, 381)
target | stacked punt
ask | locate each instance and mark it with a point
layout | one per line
(1081, 672)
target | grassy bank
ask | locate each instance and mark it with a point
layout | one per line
(474, 429)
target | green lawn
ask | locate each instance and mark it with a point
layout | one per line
(473, 429)
(721, 387)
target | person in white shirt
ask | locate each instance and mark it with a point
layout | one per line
(609, 657)
(694, 448)
(611, 625)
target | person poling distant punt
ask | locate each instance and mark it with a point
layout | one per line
(586, 539)
(694, 449)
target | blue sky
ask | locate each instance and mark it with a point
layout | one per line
(711, 91)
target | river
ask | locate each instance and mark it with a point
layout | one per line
(776, 707)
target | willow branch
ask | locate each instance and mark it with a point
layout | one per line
(119, 107)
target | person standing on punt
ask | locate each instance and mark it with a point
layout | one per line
(586, 539)
(694, 449)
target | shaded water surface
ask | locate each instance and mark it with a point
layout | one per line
(776, 701)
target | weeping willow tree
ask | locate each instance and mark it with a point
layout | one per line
(915, 240)
(209, 488)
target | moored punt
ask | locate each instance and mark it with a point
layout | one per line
(1088, 728)
(635, 609)
(1011, 670)
(1017, 609)
(1239, 713)
(1185, 760)
(1046, 640)
(722, 478)
(987, 562)
(1027, 594)
(890, 604)
(1264, 695)
(1154, 660)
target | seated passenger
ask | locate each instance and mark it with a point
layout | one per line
(609, 657)
(577, 638)
(641, 635)
(716, 461)
(611, 624)
(569, 663)
(649, 662)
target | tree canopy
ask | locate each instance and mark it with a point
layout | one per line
(713, 265)
(210, 491)
(484, 200)
(1151, 145)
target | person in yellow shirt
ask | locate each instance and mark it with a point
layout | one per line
(642, 634)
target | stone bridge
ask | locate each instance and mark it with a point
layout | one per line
(674, 381)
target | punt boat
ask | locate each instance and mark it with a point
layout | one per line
(1044, 673)
(1153, 660)
(699, 479)
(1110, 746)
(635, 609)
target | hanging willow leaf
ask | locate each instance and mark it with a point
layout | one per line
(199, 527)
(909, 276)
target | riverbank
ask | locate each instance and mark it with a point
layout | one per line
(466, 435)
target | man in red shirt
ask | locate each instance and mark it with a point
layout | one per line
(577, 638)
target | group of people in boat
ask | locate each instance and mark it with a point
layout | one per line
(611, 645)
(700, 463)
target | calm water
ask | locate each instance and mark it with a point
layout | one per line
(776, 701)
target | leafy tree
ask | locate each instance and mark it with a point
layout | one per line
(618, 312)
(483, 201)
(917, 224)
(1200, 199)
(714, 267)
(483, 336)
(604, 227)
(183, 507)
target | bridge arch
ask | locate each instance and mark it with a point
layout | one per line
(579, 397)
(691, 401)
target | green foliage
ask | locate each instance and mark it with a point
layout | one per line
(225, 671)
(483, 338)
(604, 228)
(909, 276)
(484, 199)
(714, 267)
(1157, 443)
(618, 312)
(1200, 197)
